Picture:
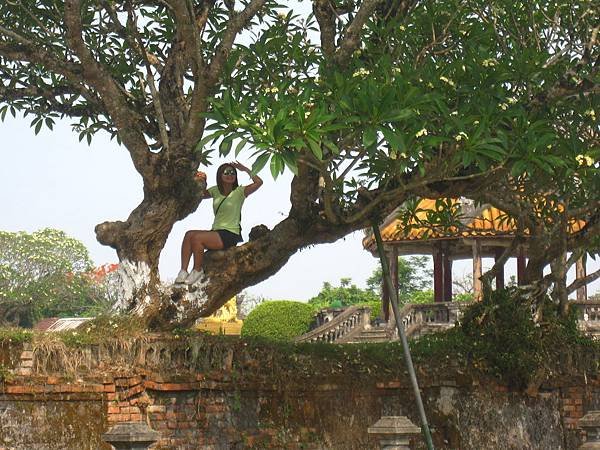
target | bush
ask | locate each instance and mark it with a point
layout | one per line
(278, 320)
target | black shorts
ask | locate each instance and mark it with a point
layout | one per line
(229, 239)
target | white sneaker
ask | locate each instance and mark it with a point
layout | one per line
(193, 277)
(181, 276)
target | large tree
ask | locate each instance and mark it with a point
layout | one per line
(368, 102)
(46, 274)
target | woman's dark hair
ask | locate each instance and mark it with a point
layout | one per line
(220, 170)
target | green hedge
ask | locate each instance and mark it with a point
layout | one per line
(278, 320)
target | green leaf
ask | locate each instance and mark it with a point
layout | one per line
(240, 146)
(315, 147)
(225, 146)
(277, 165)
(260, 163)
(38, 126)
(290, 161)
(369, 137)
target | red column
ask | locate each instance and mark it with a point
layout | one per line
(447, 265)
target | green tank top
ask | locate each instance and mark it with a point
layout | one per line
(229, 213)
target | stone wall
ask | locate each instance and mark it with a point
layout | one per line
(206, 393)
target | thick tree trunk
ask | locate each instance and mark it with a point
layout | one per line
(140, 240)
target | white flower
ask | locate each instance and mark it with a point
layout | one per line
(421, 132)
(476, 122)
(584, 160)
(460, 136)
(235, 123)
(402, 28)
(430, 85)
(503, 106)
(490, 62)
(511, 100)
(306, 114)
(403, 155)
(282, 15)
(447, 80)
(362, 72)
(590, 113)
(397, 70)
(454, 113)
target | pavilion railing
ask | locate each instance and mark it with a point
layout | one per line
(353, 320)
(417, 317)
(588, 316)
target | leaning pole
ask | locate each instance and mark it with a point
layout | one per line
(406, 350)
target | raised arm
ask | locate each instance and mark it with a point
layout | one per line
(256, 180)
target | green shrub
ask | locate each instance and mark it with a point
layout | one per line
(278, 320)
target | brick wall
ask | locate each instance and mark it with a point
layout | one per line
(236, 399)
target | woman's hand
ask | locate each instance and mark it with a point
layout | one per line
(239, 166)
(256, 180)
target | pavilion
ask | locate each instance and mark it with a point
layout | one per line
(485, 232)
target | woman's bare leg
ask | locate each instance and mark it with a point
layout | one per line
(186, 248)
(201, 240)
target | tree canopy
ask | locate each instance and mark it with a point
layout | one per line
(369, 103)
(46, 274)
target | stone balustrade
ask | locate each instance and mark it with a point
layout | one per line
(352, 320)
(417, 317)
(588, 316)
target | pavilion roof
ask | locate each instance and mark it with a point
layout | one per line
(483, 222)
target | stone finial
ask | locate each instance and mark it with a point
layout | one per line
(131, 436)
(591, 424)
(394, 432)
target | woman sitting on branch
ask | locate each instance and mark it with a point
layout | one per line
(228, 198)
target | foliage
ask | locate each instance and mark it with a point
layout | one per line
(278, 320)
(15, 335)
(499, 336)
(413, 275)
(45, 274)
(345, 294)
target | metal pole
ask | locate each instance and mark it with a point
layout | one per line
(406, 351)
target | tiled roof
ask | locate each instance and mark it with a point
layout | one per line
(486, 221)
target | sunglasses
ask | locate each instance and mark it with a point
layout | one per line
(229, 172)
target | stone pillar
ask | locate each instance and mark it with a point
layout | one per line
(591, 424)
(394, 432)
(131, 436)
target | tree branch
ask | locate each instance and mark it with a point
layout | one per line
(127, 121)
(326, 19)
(237, 21)
(350, 41)
(583, 281)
